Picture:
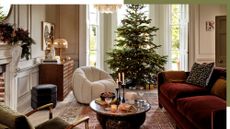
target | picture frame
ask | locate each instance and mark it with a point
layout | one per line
(47, 35)
(210, 25)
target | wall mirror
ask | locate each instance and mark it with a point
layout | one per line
(5, 8)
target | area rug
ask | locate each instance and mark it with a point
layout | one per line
(156, 118)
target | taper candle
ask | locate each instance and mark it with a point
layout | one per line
(123, 78)
(119, 77)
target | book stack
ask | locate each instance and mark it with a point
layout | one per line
(52, 61)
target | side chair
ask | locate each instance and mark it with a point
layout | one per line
(10, 119)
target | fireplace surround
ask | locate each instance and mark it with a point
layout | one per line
(8, 71)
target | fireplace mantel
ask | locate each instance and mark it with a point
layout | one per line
(5, 54)
(10, 87)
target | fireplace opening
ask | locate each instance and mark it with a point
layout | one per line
(2, 83)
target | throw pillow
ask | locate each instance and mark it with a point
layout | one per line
(200, 74)
(219, 88)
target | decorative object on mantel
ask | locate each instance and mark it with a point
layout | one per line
(16, 36)
(107, 8)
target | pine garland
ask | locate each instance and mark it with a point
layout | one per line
(19, 36)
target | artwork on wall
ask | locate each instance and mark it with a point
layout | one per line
(47, 35)
(210, 25)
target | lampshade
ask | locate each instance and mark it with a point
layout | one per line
(107, 8)
(60, 43)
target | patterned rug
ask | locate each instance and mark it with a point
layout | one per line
(156, 118)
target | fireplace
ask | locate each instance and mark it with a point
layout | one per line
(2, 83)
(8, 89)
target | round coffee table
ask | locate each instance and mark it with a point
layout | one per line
(120, 120)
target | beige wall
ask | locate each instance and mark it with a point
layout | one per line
(202, 42)
(64, 17)
(69, 29)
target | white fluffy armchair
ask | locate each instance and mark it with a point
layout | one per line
(90, 82)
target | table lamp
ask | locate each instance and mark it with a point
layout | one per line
(60, 44)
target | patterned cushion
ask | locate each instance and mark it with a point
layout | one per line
(200, 74)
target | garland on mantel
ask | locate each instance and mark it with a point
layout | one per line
(19, 36)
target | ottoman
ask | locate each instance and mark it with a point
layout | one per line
(43, 94)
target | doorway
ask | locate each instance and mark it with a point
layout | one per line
(220, 43)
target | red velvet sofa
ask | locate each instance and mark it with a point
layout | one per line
(192, 107)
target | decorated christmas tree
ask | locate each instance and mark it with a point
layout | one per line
(135, 51)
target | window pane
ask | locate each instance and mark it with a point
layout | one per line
(93, 38)
(92, 55)
(93, 19)
(122, 12)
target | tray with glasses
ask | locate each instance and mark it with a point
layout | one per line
(106, 98)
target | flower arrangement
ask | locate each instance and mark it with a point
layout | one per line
(19, 36)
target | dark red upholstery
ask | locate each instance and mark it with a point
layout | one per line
(198, 109)
(174, 91)
(193, 107)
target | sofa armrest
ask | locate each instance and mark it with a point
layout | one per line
(172, 76)
(218, 119)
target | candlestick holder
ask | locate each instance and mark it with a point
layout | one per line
(118, 95)
(123, 98)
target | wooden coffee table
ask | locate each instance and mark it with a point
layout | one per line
(120, 120)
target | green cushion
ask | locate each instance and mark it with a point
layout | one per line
(13, 119)
(56, 123)
(3, 126)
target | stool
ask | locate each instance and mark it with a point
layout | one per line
(43, 94)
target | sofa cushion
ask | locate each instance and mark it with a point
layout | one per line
(56, 123)
(219, 88)
(200, 74)
(198, 109)
(178, 90)
(3, 126)
(13, 119)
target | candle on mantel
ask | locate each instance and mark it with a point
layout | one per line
(123, 78)
(119, 77)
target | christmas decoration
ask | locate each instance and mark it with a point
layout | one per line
(135, 52)
(11, 36)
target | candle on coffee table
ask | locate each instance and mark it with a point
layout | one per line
(113, 108)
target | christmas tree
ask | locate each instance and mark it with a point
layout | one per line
(135, 52)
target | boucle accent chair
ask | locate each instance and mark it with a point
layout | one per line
(90, 82)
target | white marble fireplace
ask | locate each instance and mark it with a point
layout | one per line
(10, 96)
(19, 78)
